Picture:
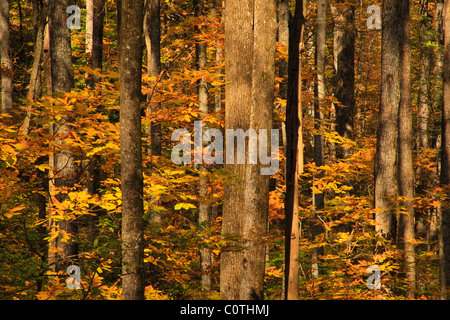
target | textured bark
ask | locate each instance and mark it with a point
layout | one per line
(250, 32)
(202, 91)
(130, 64)
(445, 162)
(319, 94)
(405, 157)
(294, 152)
(64, 169)
(385, 158)
(423, 112)
(6, 64)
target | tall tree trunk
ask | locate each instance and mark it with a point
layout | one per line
(63, 165)
(294, 152)
(445, 162)
(345, 35)
(405, 157)
(319, 95)
(6, 63)
(423, 112)
(250, 32)
(130, 64)
(202, 91)
(385, 158)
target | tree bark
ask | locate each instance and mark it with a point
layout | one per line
(95, 12)
(63, 165)
(250, 32)
(387, 133)
(345, 34)
(130, 64)
(202, 92)
(405, 157)
(319, 95)
(294, 152)
(445, 162)
(6, 63)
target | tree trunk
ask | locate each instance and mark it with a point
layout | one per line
(345, 72)
(40, 9)
(202, 91)
(405, 158)
(6, 64)
(385, 157)
(283, 40)
(152, 30)
(423, 113)
(63, 165)
(445, 162)
(294, 152)
(217, 10)
(95, 12)
(319, 95)
(250, 32)
(130, 64)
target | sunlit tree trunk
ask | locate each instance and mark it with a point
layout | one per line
(387, 133)
(130, 64)
(202, 92)
(6, 63)
(405, 158)
(62, 162)
(250, 32)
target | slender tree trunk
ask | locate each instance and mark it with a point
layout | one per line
(40, 12)
(423, 113)
(152, 30)
(405, 158)
(6, 63)
(319, 93)
(63, 165)
(387, 133)
(217, 10)
(95, 12)
(130, 64)
(445, 162)
(250, 32)
(294, 152)
(202, 91)
(283, 40)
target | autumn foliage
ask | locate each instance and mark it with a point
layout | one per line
(173, 236)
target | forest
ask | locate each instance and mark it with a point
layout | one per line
(225, 150)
